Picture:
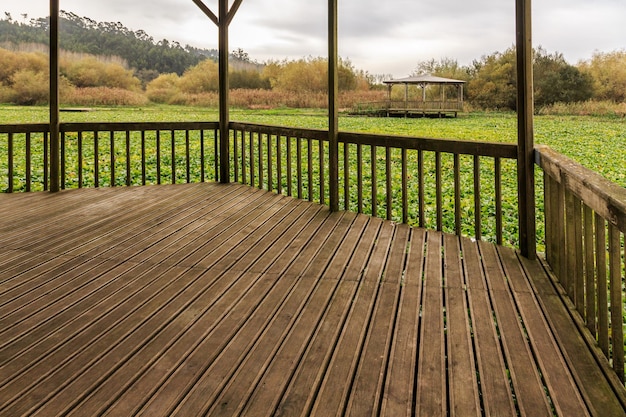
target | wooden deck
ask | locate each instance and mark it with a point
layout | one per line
(225, 300)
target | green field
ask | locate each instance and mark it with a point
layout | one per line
(598, 143)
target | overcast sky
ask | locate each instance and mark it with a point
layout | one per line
(378, 36)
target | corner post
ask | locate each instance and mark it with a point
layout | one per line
(224, 175)
(525, 133)
(333, 106)
(54, 97)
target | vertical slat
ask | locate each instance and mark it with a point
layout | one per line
(602, 286)
(439, 194)
(279, 165)
(10, 156)
(420, 180)
(299, 165)
(590, 287)
(615, 279)
(96, 164)
(62, 163)
(270, 171)
(260, 140)
(310, 167)
(548, 216)
(346, 177)
(320, 146)
(158, 156)
(216, 154)
(128, 170)
(187, 157)
(374, 183)
(45, 161)
(477, 203)
(251, 140)
(570, 242)
(560, 232)
(405, 197)
(388, 190)
(143, 158)
(289, 167)
(112, 157)
(28, 163)
(498, 191)
(579, 286)
(235, 156)
(359, 175)
(79, 167)
(173, 155)
(457, 194)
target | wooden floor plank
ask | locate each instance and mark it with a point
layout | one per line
(462, 382)
(222, 299)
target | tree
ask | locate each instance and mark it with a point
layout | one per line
(556, 81)
(493, 84)
(608, 71)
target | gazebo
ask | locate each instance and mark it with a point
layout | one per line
(440, 107)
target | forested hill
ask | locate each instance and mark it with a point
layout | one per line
(83, 35)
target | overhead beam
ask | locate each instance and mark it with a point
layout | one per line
(55, 159)
(233, 10)
(333, 106)
(525, 130)
(205, 9)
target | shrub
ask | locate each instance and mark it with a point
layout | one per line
(163, 88)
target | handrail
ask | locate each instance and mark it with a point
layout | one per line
(585, 216)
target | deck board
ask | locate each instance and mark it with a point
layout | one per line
(212, 299)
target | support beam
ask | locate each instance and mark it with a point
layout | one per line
(207, 11)
(525, 131)
(55, 159)
(333, 106)
(224, 87)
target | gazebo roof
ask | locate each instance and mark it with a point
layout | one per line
(424, 79)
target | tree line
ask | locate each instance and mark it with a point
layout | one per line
(100, 56)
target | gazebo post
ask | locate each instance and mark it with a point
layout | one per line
(224, 93)
(525, 134)
(55, 159)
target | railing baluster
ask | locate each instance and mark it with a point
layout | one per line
(405, 193)
(235, 156)
(158, 156)
(128, 160)
(173, 155)
(374, 181)
(28, 165)
(260, 139)
(590, 290)
(602, 285)
(63, 156)
(439, 193)
(188, 156)
(216, 155)
(388, 185)
(143, 157)
(243, 158)
(79, 167)
(251, 150)
(359, 175)
(279, 165)
(320, 147)
(477, 199)
(10, 156)
(289, 167)
(96, 163)
(310, 167)
(112, 149)
(457, 194)
(420, 180)
(498, 193)
(45, 161)
(270, 180)
(299, 165)
(615, 279)
(346, 176)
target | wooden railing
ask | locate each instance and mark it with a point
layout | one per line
(459, 187)
(584, 239)
(110, 154)
(417, 106)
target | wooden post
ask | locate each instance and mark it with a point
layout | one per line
(525, 134)
(54, 97)
(224, 93)
(333, 106)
